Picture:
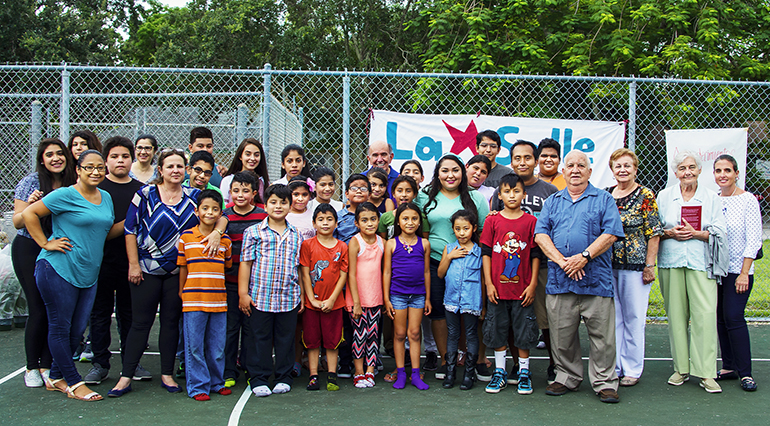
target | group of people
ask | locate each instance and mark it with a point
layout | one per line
(257, 274)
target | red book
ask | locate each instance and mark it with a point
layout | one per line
(692, 214)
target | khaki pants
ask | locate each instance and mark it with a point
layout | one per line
(540, 311)
(598, 313)
(691, 300)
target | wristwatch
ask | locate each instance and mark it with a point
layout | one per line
(587, 255)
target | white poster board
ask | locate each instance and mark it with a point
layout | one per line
(708, 144)
(426, 138)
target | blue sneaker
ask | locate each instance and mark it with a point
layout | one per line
(525, 382)
(498, 381)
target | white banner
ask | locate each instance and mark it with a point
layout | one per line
(426, 138)
(708, 144)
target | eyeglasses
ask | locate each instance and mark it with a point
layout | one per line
(144, 148)
(90, 169)
(199, 170)
(358, 189)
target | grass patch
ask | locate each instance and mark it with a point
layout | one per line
(759, 301)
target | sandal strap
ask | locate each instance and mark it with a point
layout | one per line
(90, 395)
(75, 386)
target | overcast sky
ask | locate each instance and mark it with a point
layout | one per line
(175, 3)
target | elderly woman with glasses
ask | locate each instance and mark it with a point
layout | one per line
(690, 215)
(158, 214)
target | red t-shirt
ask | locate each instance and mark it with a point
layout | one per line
(325, 265)
(511, 242)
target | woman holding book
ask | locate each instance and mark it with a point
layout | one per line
(689, 214)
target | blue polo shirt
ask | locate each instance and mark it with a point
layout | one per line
(573, 226)
(346, 225)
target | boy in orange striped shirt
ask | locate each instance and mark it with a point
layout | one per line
(204, 301)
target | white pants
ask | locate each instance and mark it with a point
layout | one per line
(631, 300)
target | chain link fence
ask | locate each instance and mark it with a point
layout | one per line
(328, 113)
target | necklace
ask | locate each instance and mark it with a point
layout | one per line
(408, 247)
(169, 195)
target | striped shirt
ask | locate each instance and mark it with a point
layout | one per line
(157, 227)
(235, 228)
(274, 278)
(204, 289)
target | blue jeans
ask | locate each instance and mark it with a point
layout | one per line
(453, 332)
(68, 309)
(403, 301)
(204, 337)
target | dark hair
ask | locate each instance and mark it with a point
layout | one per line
(471, 218)
(301, 151)
(324, 208)
(478, 158)
(168, 152)
(210, 193)
(92, 141)
(410, 181)
(299, 181)
(279, 190)
(322, 171)
(237, 164)
(67, 176)
(510, 180)
(415, 162)
(87, 153)
(535, 150)
(729, 158)
(245, 178)
(435, 186)
(366, 207)
(402, 208)
(117, 141)
(153, 141)
(355, 177)
(491, 134)
(549, 143)
(204, 156)
(382, 175)
(200, 133)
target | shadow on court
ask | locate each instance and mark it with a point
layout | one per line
(652, 401)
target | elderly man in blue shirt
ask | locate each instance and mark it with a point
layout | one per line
(575, 230)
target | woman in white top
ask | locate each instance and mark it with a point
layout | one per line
(744, 235)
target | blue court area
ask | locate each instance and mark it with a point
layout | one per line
(652, 401)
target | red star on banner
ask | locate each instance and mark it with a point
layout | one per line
(462, 140)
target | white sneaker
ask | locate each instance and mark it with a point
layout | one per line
(281, 388)
(261, 391)
(33, 379)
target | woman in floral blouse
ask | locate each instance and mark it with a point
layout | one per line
(633, 263)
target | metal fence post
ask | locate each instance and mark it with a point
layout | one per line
(64, 108)
(241, 121)
(266, 111)
(35, 132)
(301, 119)
(139, 129)
(632, 116)
(345, 126)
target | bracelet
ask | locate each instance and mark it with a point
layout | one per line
(649, 266)
(220, 232)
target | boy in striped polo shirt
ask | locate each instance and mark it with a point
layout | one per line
(204, 301)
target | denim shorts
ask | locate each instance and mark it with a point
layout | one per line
(403, 301)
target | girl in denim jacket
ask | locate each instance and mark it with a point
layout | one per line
(461, 267)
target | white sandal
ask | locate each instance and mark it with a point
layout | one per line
(93, 396)
(51, 384)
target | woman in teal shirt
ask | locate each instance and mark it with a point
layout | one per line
(82, 217)
(447, 193)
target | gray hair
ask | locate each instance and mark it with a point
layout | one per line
(683, 155)
(580, 153)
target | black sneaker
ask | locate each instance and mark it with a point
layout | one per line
(344, 372)
(513, 376)
(483, 373)
(441, 372)
(551, 374)
(431, 361)
(180, 371)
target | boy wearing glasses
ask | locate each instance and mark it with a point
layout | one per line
(488, 144)
(200, 169)
(357, 190)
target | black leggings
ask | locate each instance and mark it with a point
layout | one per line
(154, 289)
(24, 252)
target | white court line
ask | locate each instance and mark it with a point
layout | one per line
(12, 375)
(235, 416)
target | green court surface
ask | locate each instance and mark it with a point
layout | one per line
(651, 402)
